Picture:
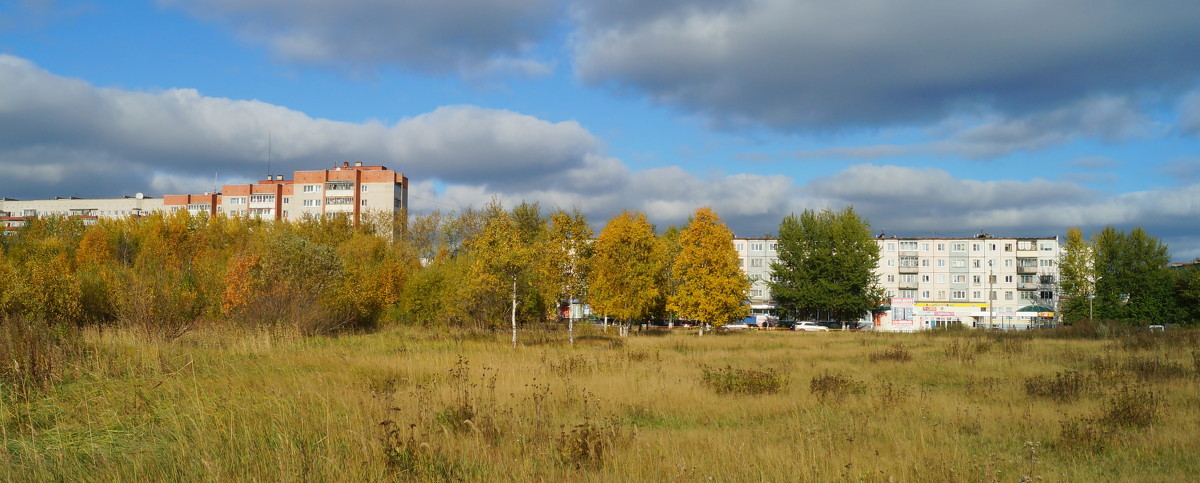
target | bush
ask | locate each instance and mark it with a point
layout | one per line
(1063, 387)
(897, 353)
(743, 381)
(34, 354)
(832, 387)
(1132, 406)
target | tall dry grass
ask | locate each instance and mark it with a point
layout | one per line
(408, 404)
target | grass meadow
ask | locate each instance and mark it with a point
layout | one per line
(404, 403)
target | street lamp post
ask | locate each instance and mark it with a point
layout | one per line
(1092, 296)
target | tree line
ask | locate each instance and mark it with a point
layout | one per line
(487, 268)
(1125, 277)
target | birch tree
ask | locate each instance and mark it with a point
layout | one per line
(626, 270)
(711, 287)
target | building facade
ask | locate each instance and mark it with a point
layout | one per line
(1009, 283)
(345, 190)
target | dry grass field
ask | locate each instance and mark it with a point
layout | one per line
(410, 404)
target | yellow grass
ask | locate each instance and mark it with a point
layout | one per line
(426, 405)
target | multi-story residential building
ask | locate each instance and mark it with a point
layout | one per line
(976, 282)
(933, 282)
(756, 255)
(14, 212)
(346, 190)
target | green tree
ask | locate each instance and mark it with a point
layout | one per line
(567, 250)
(1132, 284)
(712, 287)
(1076, 277)
(626, 270)
(1187, 292)
(826, 263)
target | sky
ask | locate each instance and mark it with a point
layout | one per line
(930, 118)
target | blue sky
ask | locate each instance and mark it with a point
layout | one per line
(1017, 118)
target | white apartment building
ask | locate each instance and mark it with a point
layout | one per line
(14, 212)
(1008, 283)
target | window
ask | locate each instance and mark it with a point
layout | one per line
(908, 262)
(286, 200)
(237, 201)
(312, 188)
(1008, 295)
(1047, 295)
(1047, 262)
(941, 262)
(976, 295)
(339, 185)
(262, 198)
(774, 246)
(756, 262)
(1008, 247)
(1008, 263)
(958, 247)
(924, 262)
(891, 247)
(1047, 279)
(1026, 278)
(755, 276)
(362, 202)
(1024, 245)
(1027, 262)
(891, 293)
(925, 278)
(756, 293)
(941, 295)
(908, 279)
(312, 202)
(891, 278)
(756, 246)
(925, 294)
(975, 247)
(976, 263)
(739, 246)
(941, 278)
(364, 188)
(993, 247)
(1047, 247)
(960, 279)
(908, 294)
(908, 246)
(941, 247)
(1008, 279)
(1029, 296)
(958, 295)
(339, 201)
(977, 279)
(924, 247)
(960, 263)
(891, 263)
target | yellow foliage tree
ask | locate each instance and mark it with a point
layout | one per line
(711, 286)
(626, 271)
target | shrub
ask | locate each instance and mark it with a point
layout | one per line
(743, 381)
(1063, 387)
(586, 445)
(1132, 406)
(832, 387)
(1083, 434)
(1154, 369)
(34, 354)
(897, 353)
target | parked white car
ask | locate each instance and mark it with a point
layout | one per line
(739, 325)
(809, 327)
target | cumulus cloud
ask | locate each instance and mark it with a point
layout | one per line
(470, 37)
(828, 65)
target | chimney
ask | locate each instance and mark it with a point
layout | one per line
(345, 164)
(358, 164)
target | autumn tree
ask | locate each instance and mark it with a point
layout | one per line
(826, 263)
(566, 251)
(712, 287)
(1077, 277)
(626, 271)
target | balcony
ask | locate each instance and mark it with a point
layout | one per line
(1027, 270)
(909, 269)
(908, 285)
(1027, 286)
